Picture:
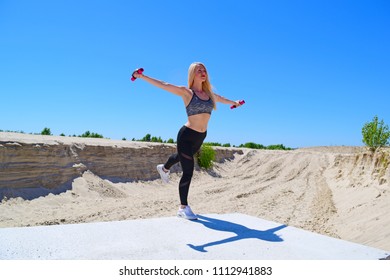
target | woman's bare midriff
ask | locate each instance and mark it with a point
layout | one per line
(198, 122)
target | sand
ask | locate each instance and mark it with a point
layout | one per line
(343, 192)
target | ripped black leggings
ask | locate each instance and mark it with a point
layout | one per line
(189, 142)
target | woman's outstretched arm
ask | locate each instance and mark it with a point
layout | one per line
(178, 90)
(224, 100)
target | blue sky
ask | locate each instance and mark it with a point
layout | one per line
(311, 72)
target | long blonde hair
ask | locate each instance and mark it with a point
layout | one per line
(206, 85)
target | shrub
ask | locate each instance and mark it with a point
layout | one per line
(147, 138)
(216, 144)
(46, 131)
(89, 134)
(156, 139)
(206, 156)
(252, 145)
(277, 147)
(375, 134)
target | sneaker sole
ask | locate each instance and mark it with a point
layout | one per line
(161, 176)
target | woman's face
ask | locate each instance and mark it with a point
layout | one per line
(200, 73)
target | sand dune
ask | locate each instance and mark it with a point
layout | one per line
(343, 192)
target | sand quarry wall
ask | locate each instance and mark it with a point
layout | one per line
(34, 165)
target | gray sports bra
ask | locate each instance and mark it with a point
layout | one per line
(199, 106)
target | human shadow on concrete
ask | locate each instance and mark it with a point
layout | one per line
(241, 232)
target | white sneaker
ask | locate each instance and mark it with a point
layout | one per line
(164, 175)
(186, 213)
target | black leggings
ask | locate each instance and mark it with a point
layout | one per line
(189, 142)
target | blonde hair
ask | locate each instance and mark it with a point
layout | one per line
(206, 85)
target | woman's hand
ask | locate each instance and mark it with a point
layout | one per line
(137, 75)
(237, 103)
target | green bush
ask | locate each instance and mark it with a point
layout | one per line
(146, 138)
(46, 131)
(277, 147)
(252, 145)
(156, 139)
(216, 144)
(375, 134)
(89, 134)
(206, 156)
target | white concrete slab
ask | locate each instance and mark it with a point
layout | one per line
(212, 237)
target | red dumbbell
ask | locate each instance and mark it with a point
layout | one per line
(234, 106)
(139, 71)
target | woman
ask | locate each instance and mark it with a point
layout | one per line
(199, 101)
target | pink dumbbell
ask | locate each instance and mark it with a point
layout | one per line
(234, 106)
(139, 71)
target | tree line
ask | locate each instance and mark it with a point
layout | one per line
(375, 134)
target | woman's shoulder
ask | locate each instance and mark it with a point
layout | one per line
(179, 90)
(187, 90)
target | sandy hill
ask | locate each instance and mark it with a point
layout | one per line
(343, 192)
